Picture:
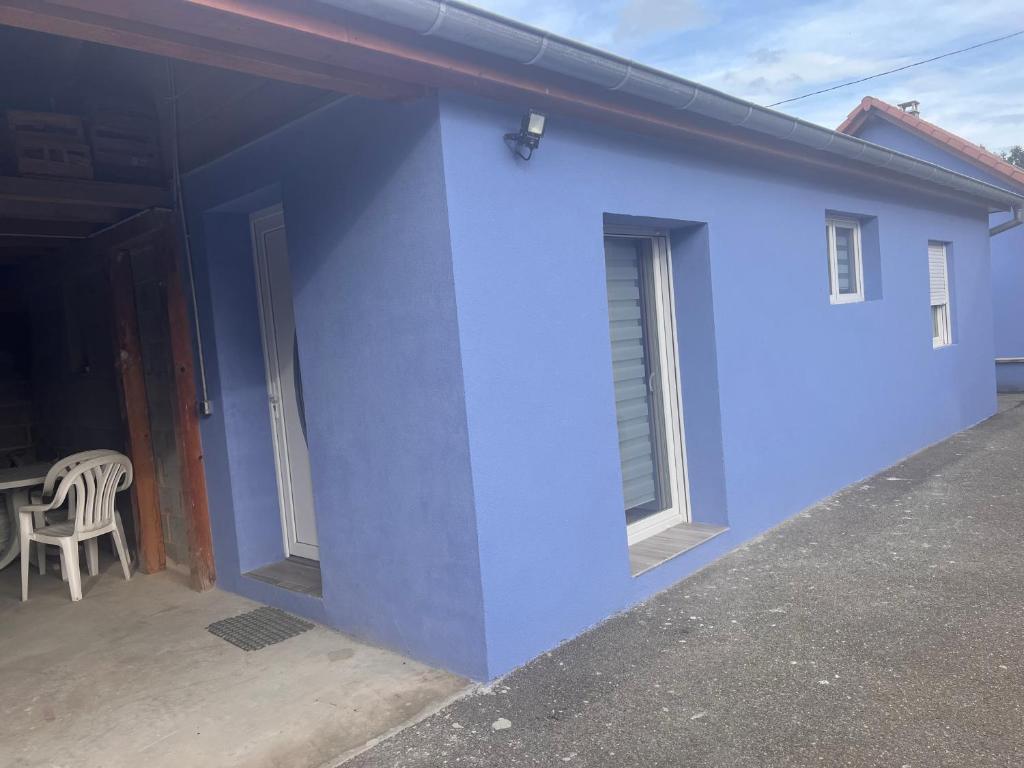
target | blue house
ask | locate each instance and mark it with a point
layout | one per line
(504, 334)
(537, 390)
(904, 130)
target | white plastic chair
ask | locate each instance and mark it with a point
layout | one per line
(89, 488)
(53, 477)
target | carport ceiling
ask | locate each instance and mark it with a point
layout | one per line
(218, 110)
(204, 34)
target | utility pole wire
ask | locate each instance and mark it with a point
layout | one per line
(900, 69)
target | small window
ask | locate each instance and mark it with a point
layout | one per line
(938, 280)
(845, 262)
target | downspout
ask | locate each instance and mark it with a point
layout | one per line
(1015, 221)
(205, 407)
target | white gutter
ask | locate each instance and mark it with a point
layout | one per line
(465, 25)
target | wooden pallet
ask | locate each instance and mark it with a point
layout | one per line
(126, 145)
(46, 144)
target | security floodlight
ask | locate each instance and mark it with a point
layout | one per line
(529, 135)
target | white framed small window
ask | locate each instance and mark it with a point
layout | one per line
(845, 260)
(938, 284)
(645, 370)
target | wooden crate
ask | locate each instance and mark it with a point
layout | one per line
(46, 144)
(49, 124)
(126, 145)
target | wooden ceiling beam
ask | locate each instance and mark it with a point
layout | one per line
(81, 21)
(29, 209)
(31, 228)
(98, 194)
(16, 250)
(132, 231)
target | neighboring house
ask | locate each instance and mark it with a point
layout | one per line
(536, 392)
(905, 131)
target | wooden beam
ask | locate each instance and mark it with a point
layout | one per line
(46, 230)
(97, 194)
(26, 247)
(30, 209)
(135, 410)
(190, 450)
(81, 22)
(132, 230)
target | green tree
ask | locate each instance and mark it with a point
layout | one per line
(1015, 155)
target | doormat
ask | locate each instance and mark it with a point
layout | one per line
(259, 628)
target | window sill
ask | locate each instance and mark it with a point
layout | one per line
(670, 543)
(846, 299)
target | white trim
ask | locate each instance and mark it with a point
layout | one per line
(670, 386)
(261, 223)
(831, 222)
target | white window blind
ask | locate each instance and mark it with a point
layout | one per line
(630, 369)
(937, 273)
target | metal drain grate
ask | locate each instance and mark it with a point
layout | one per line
(259, 628)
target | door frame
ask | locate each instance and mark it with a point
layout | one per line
(260, 223)
(671, 412)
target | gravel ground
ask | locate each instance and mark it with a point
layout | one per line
(883, 627)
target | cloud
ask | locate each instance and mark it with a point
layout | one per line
(642, 19)
(776, 49)
(805, 48)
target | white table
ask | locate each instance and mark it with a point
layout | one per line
(15, 484)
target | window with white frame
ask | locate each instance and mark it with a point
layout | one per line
(645, 372)
(938, 282)
(845, 260)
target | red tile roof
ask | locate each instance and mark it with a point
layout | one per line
(971, 152)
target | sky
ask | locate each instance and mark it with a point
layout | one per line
(770, 50)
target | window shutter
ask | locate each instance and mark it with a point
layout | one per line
(630, 372)
(938, 279)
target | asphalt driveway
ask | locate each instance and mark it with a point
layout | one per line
(883, 627)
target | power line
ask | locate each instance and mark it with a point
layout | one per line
(900, 69)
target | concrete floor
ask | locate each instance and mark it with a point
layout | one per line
(130, 677)
(883, 628)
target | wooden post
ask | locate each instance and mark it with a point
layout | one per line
(190, 450)
(135, 409)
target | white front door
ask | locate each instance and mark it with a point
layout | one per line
(284, 383)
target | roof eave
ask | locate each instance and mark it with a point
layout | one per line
(528, 47)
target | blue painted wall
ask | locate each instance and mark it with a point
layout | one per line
(363, 194)
(453, 334)
(1007, 247)
(801, 397)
